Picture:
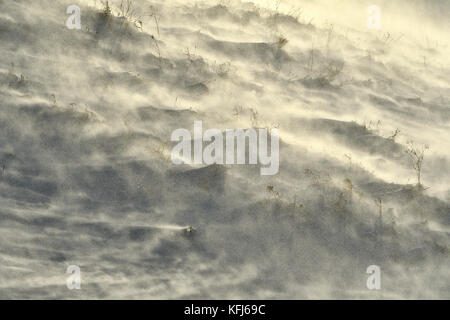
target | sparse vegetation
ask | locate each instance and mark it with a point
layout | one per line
(331, 71)
(254, 116)
(15, 81)
(128, 13)
(387, 39)
(106, 11)
(158, 50)
(237, 110)
(341, 204)
(272, 125)
(281, 42)
(311, 59)
(379, 204)
(223, 69)
(394, 135)
(296, 205)
(156, 17)
(416, 155)
(349, 158)
(348, 185)
(272, 195)
(191, 56)
(162, 151)
(373, 126)
(320, 180)
(329, 31)
(325, 77)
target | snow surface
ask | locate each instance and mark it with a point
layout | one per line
(85, 172)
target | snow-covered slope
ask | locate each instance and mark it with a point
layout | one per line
(86, 178)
